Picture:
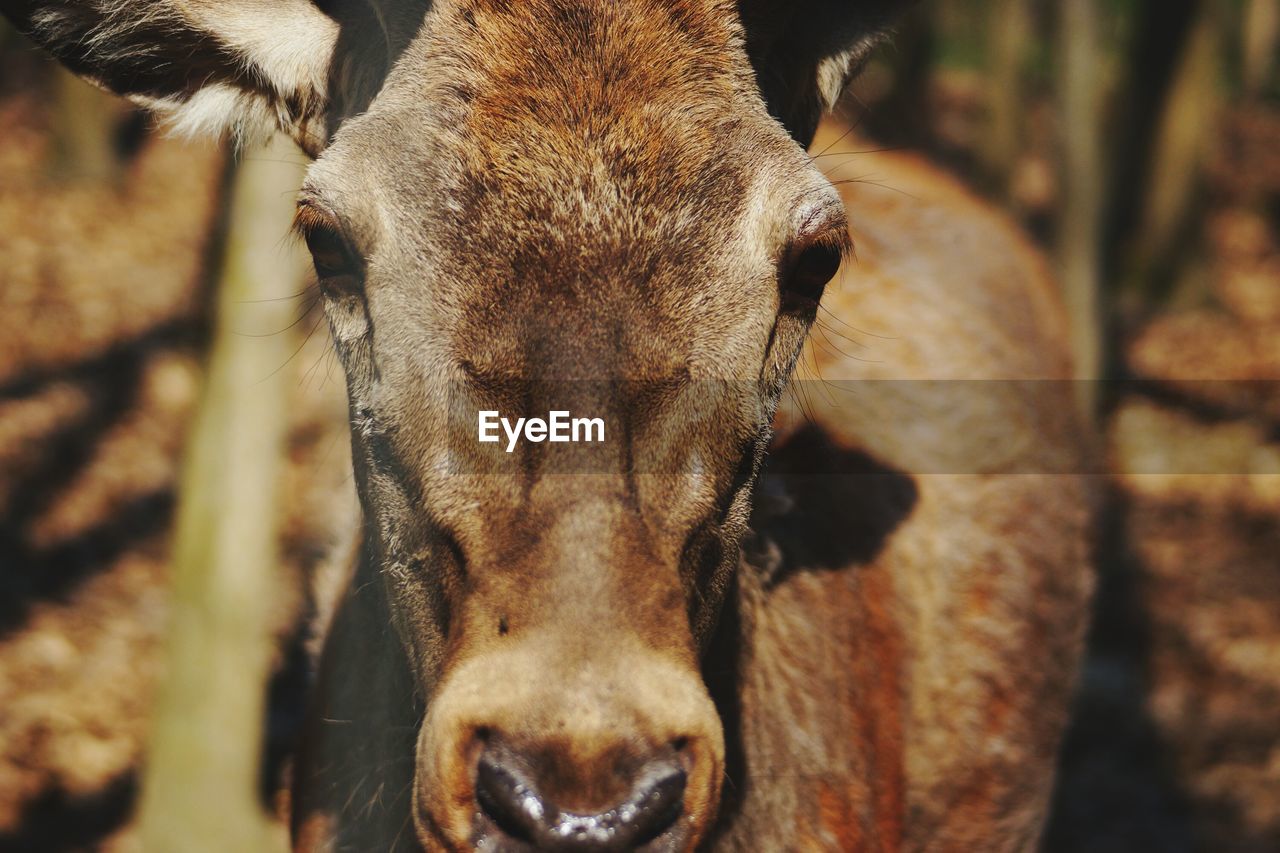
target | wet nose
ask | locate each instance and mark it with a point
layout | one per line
(509, 790)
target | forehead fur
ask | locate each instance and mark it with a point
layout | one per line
(597, 152)
(551, 102)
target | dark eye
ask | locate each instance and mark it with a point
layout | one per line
(330, 254)
(812, 265)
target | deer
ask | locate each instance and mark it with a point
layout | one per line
(728, 625)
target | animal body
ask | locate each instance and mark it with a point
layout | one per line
(605, 207)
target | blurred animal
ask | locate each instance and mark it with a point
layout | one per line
(607, 208)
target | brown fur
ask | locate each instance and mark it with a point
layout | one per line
(592, 206)
(975, 603)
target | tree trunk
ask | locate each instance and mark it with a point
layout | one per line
(1177, 151)
(1008, 34)
(201, 780)
(1079, 228)
(1259, 43)
(1161, 31)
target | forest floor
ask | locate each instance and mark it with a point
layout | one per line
(104, 295)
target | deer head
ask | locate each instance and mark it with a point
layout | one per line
(595, 206)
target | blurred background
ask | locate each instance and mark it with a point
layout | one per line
(145, 332)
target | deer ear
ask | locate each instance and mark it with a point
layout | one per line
(805, 52)
(247, 67)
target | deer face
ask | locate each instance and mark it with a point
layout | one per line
(555, 205)
(611, 225)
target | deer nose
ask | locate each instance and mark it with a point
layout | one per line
(508, 792)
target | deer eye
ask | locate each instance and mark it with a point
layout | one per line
(330, 254)
(338, 266)
(811, 264)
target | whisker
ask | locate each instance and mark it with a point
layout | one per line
(315, 326)
(888, 149)
(868, 181)
(852, 127)
(853, 328)
(826, 341)
(300, 293)
(305, 313)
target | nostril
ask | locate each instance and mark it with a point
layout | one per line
(508, 800)
(656, 808)
(505, 795)
(656, 803)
